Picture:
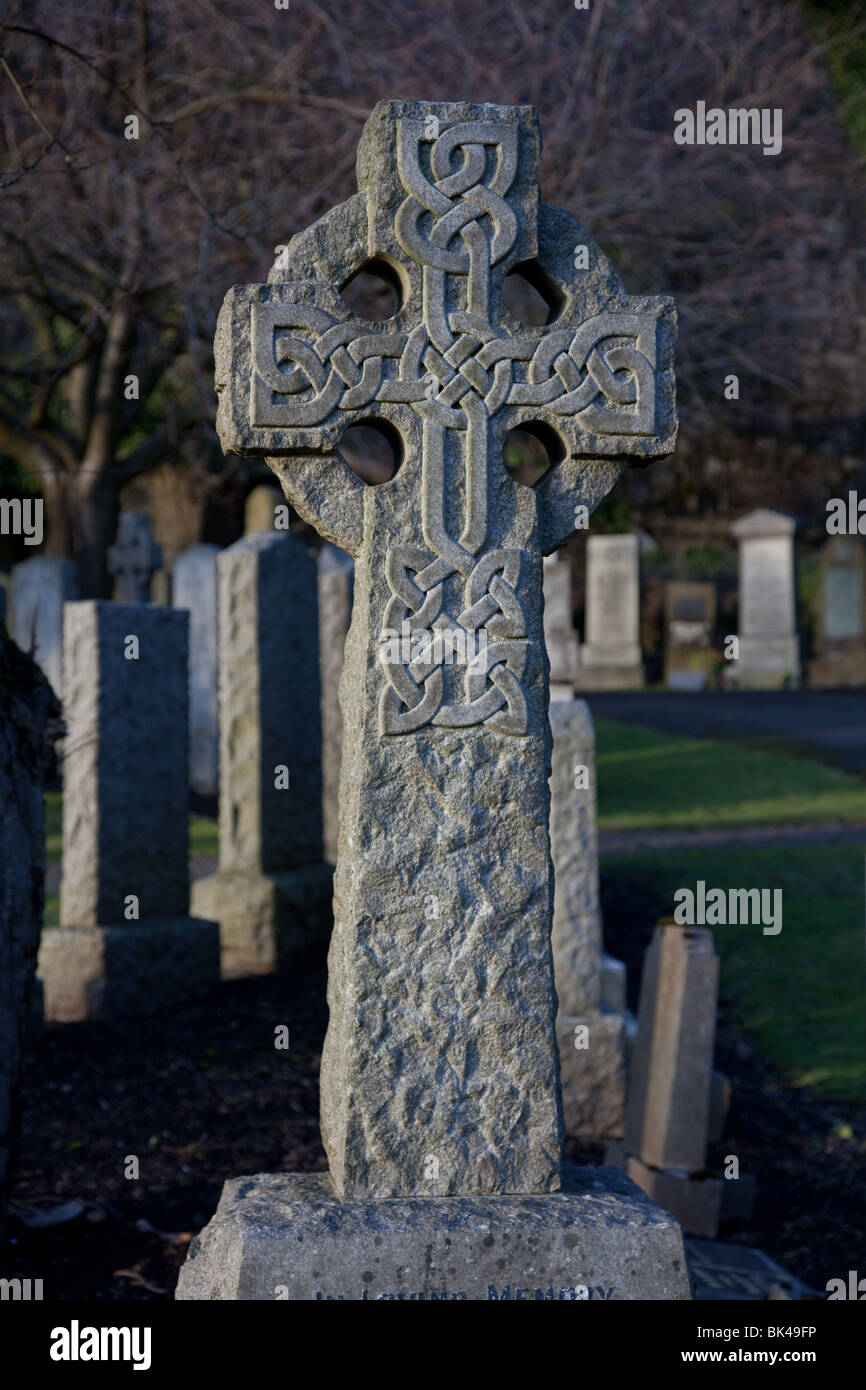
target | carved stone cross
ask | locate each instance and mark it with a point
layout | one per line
(440, 1072)
(134, 558)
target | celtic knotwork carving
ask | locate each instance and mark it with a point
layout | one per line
(426, 642)
(603, 373)
(455, 369)
(459, 200)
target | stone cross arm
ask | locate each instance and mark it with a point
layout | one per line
(448, 206)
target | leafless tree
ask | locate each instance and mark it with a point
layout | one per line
(116, 251)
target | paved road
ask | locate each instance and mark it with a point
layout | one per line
(612, 842)
(826, 724)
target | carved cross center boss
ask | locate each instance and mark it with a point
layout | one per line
(455, 211)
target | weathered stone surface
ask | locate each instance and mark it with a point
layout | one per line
(559, 634)
(440, 957)
(593, 1076)
(40, 587)
(270, 735)
(28, 707)
(195, 589)
(127, 971)
(574, 846)
(269, 705)
(134, 558)
(610, 657)
(124, 764)
(336, 582)
(667, 1122)
(769, 649)
(125, 944)
(286, 1236)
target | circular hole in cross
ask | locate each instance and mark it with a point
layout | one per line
(373, 449)
(374, 291)
(530, 450)
(530, 296)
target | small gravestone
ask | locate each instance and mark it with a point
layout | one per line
(690, 625)
(669, 1112)
(126, 944)
(336, 579)
(840, 660)
(769, 649)
(195, 589)
(28, 707)
(134, 558)
(40, 587)
(591, 1024)
(271, 890)
(610, 658)
(260, 509)
(559, 634)
(440, 1105)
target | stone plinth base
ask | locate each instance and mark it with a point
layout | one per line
(698, 1201)
(766, 663)
(838, 670)
(602, 669)
(593, 1076)
(266, 920)
(128, 971)
(279, 1236)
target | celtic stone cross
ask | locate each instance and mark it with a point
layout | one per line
(440, 1073)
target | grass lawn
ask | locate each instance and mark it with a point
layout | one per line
(651, 780)
(801, 995)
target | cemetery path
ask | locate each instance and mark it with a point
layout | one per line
(829, 725)
(615, 842)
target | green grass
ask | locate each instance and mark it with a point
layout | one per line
(801, 995)
(653, 780)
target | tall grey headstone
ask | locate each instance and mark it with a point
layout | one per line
(336, 580)
(134, 558)
(270, 884)
(591, 1024)
(441, 1112)
(610, 657)
(126, 944)
(769, 649)
(840, 659)
(195, 589)
(27, 708)
(40, 587)
(559, 633)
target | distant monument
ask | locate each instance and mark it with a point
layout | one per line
(610, 658)
(840, 660)
(690, 625)
(769, 649)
